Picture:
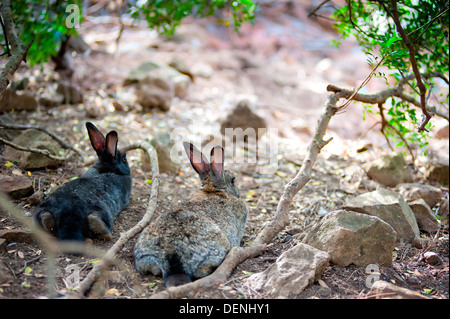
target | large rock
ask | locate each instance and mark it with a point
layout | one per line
(437, 170)
(389, 170)
(156, 90)
(413, 191)
(162, 144)
(391, 208)
(71, 93)
(243, 117)
(353, 238)
(19, 101)
(178, 80)
(292, 272)
(33, 139)
(424, 216)
(16, 186)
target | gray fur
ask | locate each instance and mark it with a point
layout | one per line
(194, 239)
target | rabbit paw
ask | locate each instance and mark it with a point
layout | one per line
(98, 227)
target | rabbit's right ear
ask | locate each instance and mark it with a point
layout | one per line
(97, 139)
(197, 159)
(111, 143)
(217, 158)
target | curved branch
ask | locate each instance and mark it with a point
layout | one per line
(397, 91)
(412, 59)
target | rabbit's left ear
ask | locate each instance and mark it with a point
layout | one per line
(96, 137)
(217, 158)
(111, 143)
(197, 159)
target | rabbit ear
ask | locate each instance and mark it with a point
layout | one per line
(111, 143)
(198, 160)
(217, 158)
(96, 137)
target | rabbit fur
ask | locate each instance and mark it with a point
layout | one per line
(192, 240)
(86, 207)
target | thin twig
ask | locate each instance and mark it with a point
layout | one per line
(415, 67)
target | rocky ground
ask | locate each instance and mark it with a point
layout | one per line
(279, 68)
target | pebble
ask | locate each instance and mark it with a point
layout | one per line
(432, 258)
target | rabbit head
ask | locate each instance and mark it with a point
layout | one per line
(111, 160)
(213, 176)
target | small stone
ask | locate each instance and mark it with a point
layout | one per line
(16, 186)
(389, 170)
(432, 258)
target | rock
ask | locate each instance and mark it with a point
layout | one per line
(443, 133)
(19, 101)
(413, 191)
(391, 208)
(292, 272)
(71, 93)
(424, 216)
(242, 117)
(432, 258)
(443, 209)
(36, 198)
(389, 170)
(34, 139)
(162, 144)
(4, 273)
(350, 237)
(16, 235)
(181, 67)
(437, 170)
(51, 100)
(179, 81)
(384, 290)
(16, 186)
(155, 91)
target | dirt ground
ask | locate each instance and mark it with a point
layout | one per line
(288, 75)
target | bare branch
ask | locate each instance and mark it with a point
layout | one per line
(397, 91)
(412, 59)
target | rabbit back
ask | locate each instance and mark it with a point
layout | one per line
(87, 206)
(104, 195)
(193, 239)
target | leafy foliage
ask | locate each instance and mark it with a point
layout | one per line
(44, 23)
(47, 22)
(166, 16)
(426, 23)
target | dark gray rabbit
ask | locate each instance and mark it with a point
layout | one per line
(191, 241)
(86, 207)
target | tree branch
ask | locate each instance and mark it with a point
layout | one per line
(18, 51)
(397, 91)
(412, 59)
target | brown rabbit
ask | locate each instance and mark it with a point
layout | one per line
(192, 241)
